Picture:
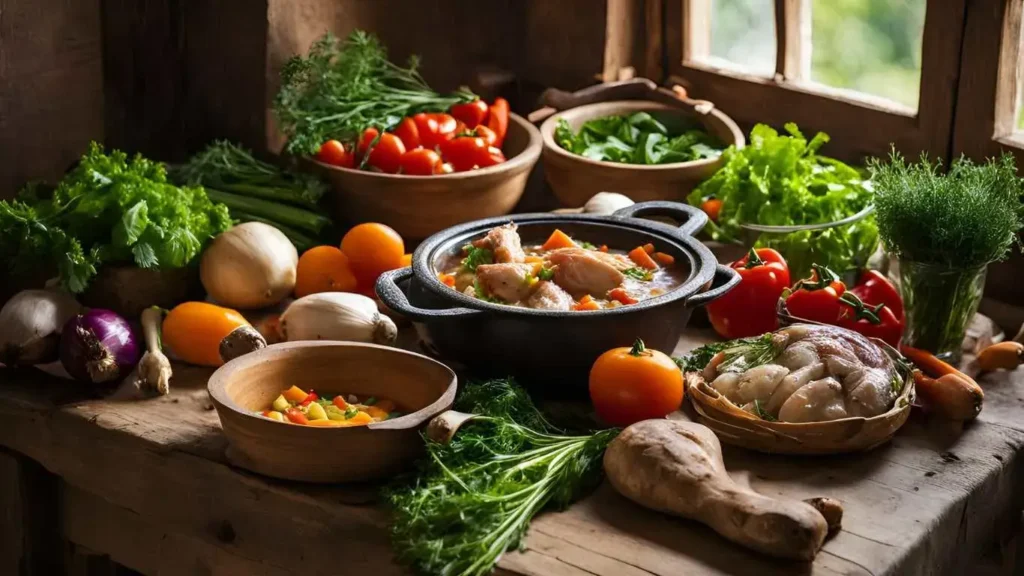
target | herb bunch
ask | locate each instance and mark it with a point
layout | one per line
(109, 209)
(343, 87)
(474, 497)
(962, 219)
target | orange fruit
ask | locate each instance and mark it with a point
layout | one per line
(372, 249)
(406, 260)
(323, 269)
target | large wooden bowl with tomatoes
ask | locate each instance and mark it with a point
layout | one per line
(470, 184)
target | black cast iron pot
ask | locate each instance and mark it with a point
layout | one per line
(553, 350)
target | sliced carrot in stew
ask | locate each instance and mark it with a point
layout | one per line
(649, 248)
(533, 260)
(664, 259)
(294, 394)
(447, 280)
(642, 258)
(558, 239)
(603, 248)
(622, 296)
(586, 303)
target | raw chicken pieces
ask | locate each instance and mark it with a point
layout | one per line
(579, 272)
(504, 242)
(822, 373)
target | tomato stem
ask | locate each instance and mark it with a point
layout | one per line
(638, 348)
(821, 277)
(862, 310)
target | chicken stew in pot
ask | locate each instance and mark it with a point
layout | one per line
(563, 273)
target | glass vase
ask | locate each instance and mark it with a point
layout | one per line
(940, 302)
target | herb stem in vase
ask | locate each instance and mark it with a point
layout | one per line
(945, 228)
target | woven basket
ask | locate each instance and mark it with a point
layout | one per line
(740, 428)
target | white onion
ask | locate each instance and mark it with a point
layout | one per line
(30, 325)
(250, 266)
(337, 316)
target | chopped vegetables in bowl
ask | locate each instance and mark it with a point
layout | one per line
(297, 406)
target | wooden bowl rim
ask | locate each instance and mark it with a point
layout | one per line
(218, 382)
(523, 160)
(547, 131)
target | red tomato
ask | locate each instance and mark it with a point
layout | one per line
(434, 129)
(408, 133)
(712, 207)
(487, 134)
(387, 154)
(366, 139)
(421, 162)
(445, 168)
(497, 119)
(749, 308)
(472, 114)
(333, 152)
(296, 416)
(817, 298)
(628, 385)
(467, 153)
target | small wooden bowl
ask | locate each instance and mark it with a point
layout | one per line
(418, 385)
(574, 179)
(418, 206)
(738, 427)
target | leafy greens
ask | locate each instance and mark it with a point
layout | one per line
(343, 87)
(474, 497)
(781, 180)
(109, 209)
(635, 139)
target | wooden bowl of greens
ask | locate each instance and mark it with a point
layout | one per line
(643, 149)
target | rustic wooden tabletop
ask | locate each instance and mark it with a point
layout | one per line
(147, 483)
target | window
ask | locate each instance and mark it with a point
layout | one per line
(870, 73)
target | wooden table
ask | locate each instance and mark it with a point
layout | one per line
(146, 483)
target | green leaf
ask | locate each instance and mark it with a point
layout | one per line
(131, 225)
(476, 257)
(145, 256)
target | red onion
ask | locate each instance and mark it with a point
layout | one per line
(98, 346)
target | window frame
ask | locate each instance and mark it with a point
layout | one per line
(860, 125)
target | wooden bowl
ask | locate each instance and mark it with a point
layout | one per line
(574, 179)
(419, 386)
(418, 206)
(735, 426)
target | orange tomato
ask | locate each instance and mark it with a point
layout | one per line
(628, 385)
(193, 331)
(323, 269)
(372, 249)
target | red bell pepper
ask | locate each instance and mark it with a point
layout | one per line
(872, 321)
(309, 399)
(295, 416)
(749, 308)
(874, 288)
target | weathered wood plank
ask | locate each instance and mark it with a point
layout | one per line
(28, 517)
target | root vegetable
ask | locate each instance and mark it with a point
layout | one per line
(953, 396)
(252, 265)
(1005, 355)
(30, 326)
(98, 346)
(154, 370)
(606, 203)
(676, 467)
(208, 335)
(337, 316)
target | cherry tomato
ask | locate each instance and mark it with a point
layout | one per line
(333, 152)
(366, 139)
(434, 129)
(817, 298)
(749, 309)
(408, 133)
(497, 119)
(386, 155)
(472, 113)
(712, 207)
(487, 134)
(467, 153)
(628, 385)
(421, 162)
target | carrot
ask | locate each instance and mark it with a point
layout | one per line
(664, 259)
(586, 303)
(952, 396)
(603, 248)
(649, 248)
(533, 260)
(558, 239)
(642, 258)
(295, 394)
(197, 332)
(929, 364)
(622, 296)
(1005, 355)
(447, 280)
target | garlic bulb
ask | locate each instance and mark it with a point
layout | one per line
(336, 316)
(606, 203)
(252, 265)
(30, 325)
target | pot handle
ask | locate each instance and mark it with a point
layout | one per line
(394, 297)
(724, 280)
(692, 219)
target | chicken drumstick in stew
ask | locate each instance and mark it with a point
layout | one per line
(561, 274)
